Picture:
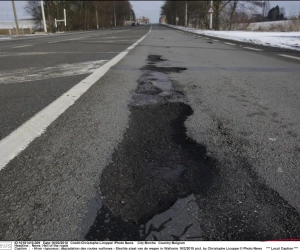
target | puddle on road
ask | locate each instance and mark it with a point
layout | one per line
(147, 192)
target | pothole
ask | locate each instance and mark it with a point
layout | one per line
(155, 59)
(155, 88)
(154, 167)
(165, 70)
(145, 86)
(148, 188)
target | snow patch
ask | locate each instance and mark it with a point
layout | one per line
(287, 40)
(37, 73)
(4, 38)
(23, 24)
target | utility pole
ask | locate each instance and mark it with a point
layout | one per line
(15, 14)
(210, 16)
(97, 16)
(186, 23)
(115, 14)
(65, 16)
(44, 19)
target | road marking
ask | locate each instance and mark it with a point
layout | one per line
(206, 38)
(216, 40)
(230, 43)
(13, 144)
(6, 54)
(252, 48)
(38, 73)
(293, 57)
(22, 46)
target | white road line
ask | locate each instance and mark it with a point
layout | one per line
(206, 38)
(230, 43)
(216, 40)
(18, 140)
(22, 46)
(293, 57)
(252, 48)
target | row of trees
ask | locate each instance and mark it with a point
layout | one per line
(81, 15)
(228, 13)
(276, 14)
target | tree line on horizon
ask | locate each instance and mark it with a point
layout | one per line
(227, 13)
(81, 15)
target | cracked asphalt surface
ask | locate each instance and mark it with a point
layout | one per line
(181, 140)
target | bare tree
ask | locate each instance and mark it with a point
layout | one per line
(81, 15)
(233, 9)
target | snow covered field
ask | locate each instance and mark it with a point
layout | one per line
(23, 24)
(288, 40)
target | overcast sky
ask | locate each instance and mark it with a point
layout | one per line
(150, 9)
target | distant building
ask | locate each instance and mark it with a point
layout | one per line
(128, 23)
(143, 20)
(162, 19)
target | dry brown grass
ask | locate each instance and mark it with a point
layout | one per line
(4, 32)
(14, 31)
(286, 26)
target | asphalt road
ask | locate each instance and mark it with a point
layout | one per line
(36, 71)
(186, 138)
